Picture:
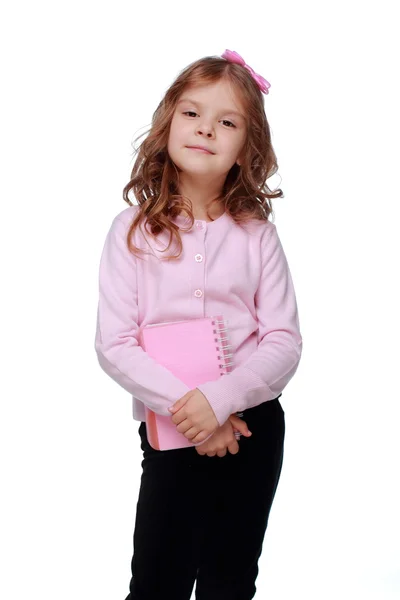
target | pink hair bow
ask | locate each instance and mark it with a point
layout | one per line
(234, 57)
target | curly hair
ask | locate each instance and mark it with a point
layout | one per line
(155, 178)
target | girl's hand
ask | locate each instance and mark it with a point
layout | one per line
(194, 416)
(224, 438)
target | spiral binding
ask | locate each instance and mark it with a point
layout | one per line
(225, 358)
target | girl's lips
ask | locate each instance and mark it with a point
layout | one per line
(199, 150)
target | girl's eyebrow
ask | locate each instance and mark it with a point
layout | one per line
(229, 112)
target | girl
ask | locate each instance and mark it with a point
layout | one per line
(200, 243)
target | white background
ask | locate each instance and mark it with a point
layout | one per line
(80, 80)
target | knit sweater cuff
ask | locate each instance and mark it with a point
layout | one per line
(232, 394)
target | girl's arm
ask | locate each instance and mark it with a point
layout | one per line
(116, 342)
(265, 374)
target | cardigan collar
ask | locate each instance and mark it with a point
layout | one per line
(219, 224)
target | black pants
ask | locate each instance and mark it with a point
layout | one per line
(204, 517)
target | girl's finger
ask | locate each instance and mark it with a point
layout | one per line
(239, 425)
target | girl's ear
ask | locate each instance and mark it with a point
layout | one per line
(239, 160)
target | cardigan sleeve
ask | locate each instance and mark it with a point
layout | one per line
(116, 341)
(267, 371)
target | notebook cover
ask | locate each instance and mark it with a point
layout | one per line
(195, 351)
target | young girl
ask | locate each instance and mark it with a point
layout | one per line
(199, 243)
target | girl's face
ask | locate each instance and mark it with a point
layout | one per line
(212, 116)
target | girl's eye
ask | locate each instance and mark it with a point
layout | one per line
(190, 112)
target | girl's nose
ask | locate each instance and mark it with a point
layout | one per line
(205, 130)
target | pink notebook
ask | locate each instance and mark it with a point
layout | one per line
(195, 351)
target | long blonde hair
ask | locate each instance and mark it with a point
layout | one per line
(154, 177)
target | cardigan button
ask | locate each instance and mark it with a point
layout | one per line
(198, 293)
(198, 258)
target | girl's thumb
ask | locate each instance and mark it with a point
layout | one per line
(239, 425)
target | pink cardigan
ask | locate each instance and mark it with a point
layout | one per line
(240, 272)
